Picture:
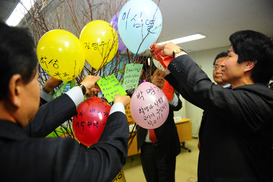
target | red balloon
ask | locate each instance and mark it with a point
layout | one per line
(90, 120)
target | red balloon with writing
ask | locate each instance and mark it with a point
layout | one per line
(90, 120)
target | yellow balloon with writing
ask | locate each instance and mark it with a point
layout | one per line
(120, 177)
(61, 54)
(100, 42)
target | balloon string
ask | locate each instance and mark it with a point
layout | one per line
(134, 59)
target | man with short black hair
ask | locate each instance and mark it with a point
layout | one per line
(236, 135)
(218, 65)
(25, 154)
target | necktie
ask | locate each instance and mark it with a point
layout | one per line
(152, 135)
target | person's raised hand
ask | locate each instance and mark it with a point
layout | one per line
(167, 49)
(52, 83)
(90, 83)
(125, 100)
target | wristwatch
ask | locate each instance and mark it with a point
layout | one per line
(83, 89)
(47, 91)
(177, 51)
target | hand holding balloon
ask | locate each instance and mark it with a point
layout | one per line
(166, 49)
(164, 53)
(158, 55)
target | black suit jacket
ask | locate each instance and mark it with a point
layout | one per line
(167, 136)
(25, 156)
(236, 133)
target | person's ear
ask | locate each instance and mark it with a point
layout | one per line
(249, 65)
(15, 90)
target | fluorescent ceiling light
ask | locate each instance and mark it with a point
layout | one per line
(184, 39)
(19, 12)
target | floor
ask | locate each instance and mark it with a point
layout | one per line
(186, 165)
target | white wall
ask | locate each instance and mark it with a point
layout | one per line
(205, 60)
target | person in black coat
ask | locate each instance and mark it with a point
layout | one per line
(159, 158)
(25, 154)
(236, 133)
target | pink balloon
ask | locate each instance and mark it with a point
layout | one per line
(114, 23)
(149, 106)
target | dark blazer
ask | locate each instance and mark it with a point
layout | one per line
(236, 133)
(25, 156)
(167, 136)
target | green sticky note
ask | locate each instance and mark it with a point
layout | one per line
(131, 76)
(110, 86)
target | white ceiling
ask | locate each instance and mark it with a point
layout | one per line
(6, 7)
(216, 19)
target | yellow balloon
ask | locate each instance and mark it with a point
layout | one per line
(120, 177)
(61, 54)
(100, 41)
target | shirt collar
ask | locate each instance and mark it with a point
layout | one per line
(12, 131)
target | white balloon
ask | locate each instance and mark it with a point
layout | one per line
(139, 24)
